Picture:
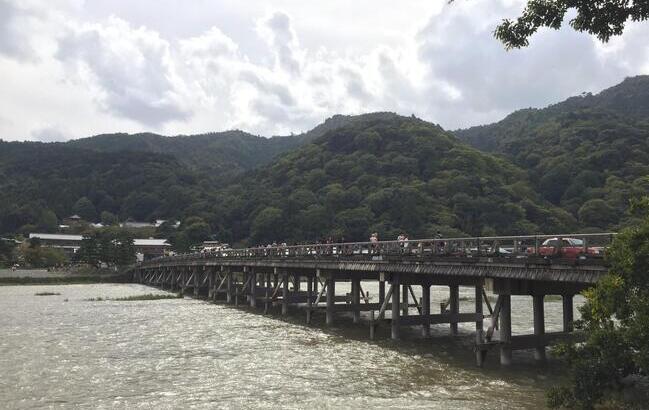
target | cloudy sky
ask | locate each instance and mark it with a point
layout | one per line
(74, 68)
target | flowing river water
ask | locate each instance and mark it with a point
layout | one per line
(63, 351)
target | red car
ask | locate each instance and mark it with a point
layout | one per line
(569, 248)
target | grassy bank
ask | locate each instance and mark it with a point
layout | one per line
(148, 296)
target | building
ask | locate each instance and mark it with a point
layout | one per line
(69, 244)
(145, 249)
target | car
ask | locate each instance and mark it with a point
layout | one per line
(568, 248)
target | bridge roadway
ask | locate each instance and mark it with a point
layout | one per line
(513, 265)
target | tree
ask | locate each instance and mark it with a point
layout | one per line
(6, 251)
(108, 218)
(602, 18)
(89, 251)
(48, 222)
(85, 209)
(597, 212)
(124, 249)
(615, 320)
(268, 225)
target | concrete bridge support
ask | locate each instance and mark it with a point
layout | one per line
(505, 330)
(356, 299)
(309, 302)
(425, 309)
(284, 293)
(253, 288)
(539, 327)
(479, 323)
(567, 313)
(396, 284)
(454, 304)
(331, 300)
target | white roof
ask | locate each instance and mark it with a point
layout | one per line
(56, 237)
(150, 242)
(60, 237)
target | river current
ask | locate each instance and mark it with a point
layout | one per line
(63, 351)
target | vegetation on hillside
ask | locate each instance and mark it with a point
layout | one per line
(383, 173)
(573, 165)
(589, 154)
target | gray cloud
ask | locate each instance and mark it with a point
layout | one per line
(132, 72)
(133, 68)
(14, 39)
(283, 40)
(459, 49)
(49, 134)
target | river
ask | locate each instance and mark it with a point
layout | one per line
(63, 351)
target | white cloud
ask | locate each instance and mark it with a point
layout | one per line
(108, 66)
(132, 68)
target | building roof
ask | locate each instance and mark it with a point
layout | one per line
(56, 236)
(60, 237)
(150, 242)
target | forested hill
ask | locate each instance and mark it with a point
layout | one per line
(388, 174)
(588, 154)
(43, 183)
(222, 154)
(573, 165)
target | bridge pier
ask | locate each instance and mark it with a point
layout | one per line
(425, 309)
(395, 307)
(229, 297)
(269, 286)
(196, 281)
(454, 304)
(567, 313)
(480, 354)
(505, 330)
(309, 296)
(210, 284)
(356, 300)
(284, 293)
(539, 327)
(253, 288)
(331, 300)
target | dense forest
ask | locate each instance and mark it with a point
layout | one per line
(589, 154)
(573, 165)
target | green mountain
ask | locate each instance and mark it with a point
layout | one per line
(588, 154)
(222, 154)
(572, 165)
(43, 183)
(386, 173)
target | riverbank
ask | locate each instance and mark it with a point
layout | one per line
(10, 277)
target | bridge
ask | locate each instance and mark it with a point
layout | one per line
(305, 276)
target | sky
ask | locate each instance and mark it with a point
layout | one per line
(74, 68)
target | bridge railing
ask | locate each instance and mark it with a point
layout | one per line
(582, 246)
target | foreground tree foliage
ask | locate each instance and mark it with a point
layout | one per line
(615, 320)
(602, 18)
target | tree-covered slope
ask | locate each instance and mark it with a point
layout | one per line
(43, 183)
(588, 154)
(384, 173)
(223, 154)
